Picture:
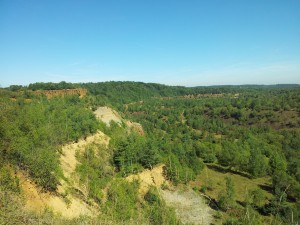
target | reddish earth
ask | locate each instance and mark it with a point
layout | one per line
(53, 93)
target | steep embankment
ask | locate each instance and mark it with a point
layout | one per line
(69, 201)
(154, 177)
(67, 204)
(68, 158)
(54, 93)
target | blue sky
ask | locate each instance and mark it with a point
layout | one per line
(172, 42)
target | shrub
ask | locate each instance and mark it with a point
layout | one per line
(8, 182)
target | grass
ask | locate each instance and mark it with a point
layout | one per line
(214, 179)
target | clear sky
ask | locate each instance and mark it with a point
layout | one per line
(186, 42)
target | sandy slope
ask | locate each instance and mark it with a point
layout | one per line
(189, 207)
(107, 115)
(68, 160)
(147, 178)
(72, 206)
(38, 201)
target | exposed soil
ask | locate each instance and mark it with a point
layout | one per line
(189, 206)
(68, 160)
(38, 201)
(107, 115)
(52, 93)
(136, 127)
(154, 177)
(34, 198)
(71, 206)
(76, 207)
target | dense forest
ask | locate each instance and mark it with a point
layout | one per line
(249, 130)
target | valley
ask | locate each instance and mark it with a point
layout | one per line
(153, 155)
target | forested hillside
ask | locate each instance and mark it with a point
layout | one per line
(250, 131)
(255, 134)
(33, 129)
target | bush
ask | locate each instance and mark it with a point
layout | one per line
(226, 198)
(121, 200)
(157, 211)
(203, 188)
(152, 196)
(8, 182)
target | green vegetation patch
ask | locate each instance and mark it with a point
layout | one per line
(32, 133)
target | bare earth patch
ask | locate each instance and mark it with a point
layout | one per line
(75, 209)
(38, 201)
(189, 207)
(136, 127)
(68, 160)
(72, 206)
(34, 198)
(147, 178)
(107, 115)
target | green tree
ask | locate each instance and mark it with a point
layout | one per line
(257, 163)
(277, 163)
(226, 198)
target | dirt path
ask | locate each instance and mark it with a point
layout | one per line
(189, 207)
